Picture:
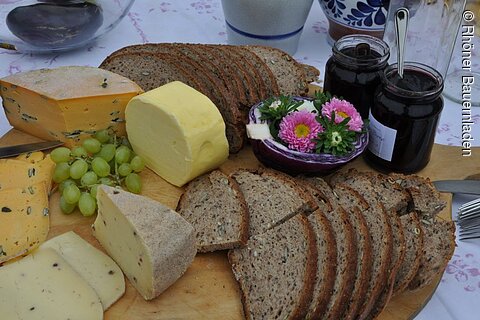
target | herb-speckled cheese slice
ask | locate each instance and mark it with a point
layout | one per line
(98, 269)
(67, 103)
(24, 172)
(24, 220)
(178, 131)
(43, 286)
(151, 243)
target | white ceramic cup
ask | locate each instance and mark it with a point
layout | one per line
(275, 23)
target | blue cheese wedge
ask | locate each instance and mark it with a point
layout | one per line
(151, 243)
(44, 286)
(98, 269)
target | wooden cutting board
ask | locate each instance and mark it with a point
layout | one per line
(208, 289)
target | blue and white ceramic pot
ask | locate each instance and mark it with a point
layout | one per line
(355, 16)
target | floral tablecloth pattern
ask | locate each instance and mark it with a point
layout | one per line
(458, 295)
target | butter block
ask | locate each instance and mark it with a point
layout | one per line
(44, 286)
(178, 131)
(67, 103)
(151, 243)
(24, 220)
(94, 266)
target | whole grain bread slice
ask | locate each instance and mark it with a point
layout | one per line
(438, 248)
(354, 203)
(276, 271)
(326, 264)
(272, 198)
(290, 75)
(413, 253)
(215, 206)
(426, 199)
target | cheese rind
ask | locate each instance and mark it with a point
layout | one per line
(178, 131)
(151, 243)
(98, 269)
(67, 103)
(24, 220)
(43, 286)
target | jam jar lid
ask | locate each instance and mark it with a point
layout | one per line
(419, 81)
(361, 52)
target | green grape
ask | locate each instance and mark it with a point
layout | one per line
(106, 181)
(87, 204)
(66, 183)
(100, 167)
(89, 178)
(79, 152)
(133, 183)
(122, 154)
(78, 168)
(61, 172)
(92, 145)
(107, 152)
(93, 190)
(102, 136)
(66, 207)
(124, 169)
(137, 164)
(61, 154)
(71, 193)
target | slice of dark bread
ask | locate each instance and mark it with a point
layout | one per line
(215, 206)
(272, 198)
(323, 202)
(268, 78)
(290, 75)
(426, 199)
(353, 203)
(311, 73)
(413, 253)
(276, 271)
(346, 263)
(326, 264)
(438, 247)
(390, 193)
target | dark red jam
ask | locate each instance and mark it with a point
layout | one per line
(354, 70)
(404, 119)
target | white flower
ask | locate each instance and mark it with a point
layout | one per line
(307, 105)
(275, 104)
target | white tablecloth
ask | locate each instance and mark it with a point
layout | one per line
(202, 21)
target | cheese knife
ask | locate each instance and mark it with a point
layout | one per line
(458, 186)
(15, 150)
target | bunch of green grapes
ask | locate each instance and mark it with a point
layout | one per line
(101, 159)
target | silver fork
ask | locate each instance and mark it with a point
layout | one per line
(469, 220)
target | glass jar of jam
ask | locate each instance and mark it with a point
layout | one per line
(404, 118)
(354, 70)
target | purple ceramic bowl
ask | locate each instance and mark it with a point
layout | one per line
(278, 156)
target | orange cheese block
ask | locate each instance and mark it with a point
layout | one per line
(67, 103)
(24, 220)
(26, 171)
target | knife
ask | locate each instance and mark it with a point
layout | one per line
(15, 150)
(458, 186)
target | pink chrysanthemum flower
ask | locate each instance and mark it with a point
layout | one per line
(343, 109)
(298, 129)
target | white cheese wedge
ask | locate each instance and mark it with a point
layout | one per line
(43, 286)
(151, 243)
(98, 269)
(178, 131)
